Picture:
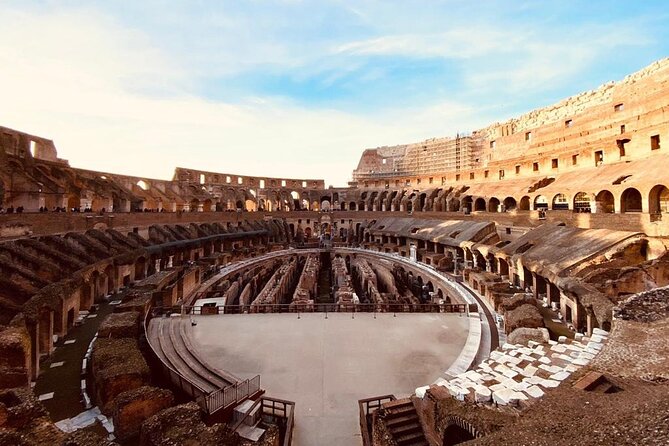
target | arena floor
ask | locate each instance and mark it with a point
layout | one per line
(326, 365)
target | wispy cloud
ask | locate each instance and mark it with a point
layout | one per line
(129, 89)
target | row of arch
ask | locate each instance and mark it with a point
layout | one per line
(604, 201)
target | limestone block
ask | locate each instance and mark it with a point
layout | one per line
(562, 339)
(528, 371)
(550, 368)
(420, 391)
(549, 383)
(507, 397)
(534, 391)
(496, 387)
(482, 394)
(600, 332)
(560, 376)
(510, 373)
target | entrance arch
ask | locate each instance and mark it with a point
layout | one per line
(605, 202)
(658, 200)
(509, 203)
(560, 202)
(540, 202)
(493, 205)
(630, 200)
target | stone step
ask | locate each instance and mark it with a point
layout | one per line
(411, 439)
(403, 429)
(186, 354)
(393, 421)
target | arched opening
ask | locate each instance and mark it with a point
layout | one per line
(560, 202)
(630, 200)
(325, 205)
(143, 185)
(454, 434)
(140, 268)
(658, 200)
(479, 204)
(239, 205)
(540, 202)
(510, 203)
(73, 203)
(467, 204)
(524, 203)
(250, 205)
(352, 206)
(307, 232)
(194, 205)
(493, 205)
(206, 205)
(305, 204)
(343, 206)
(582, 202)
(605, 202)
(421, 201)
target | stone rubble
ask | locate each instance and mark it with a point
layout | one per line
(516, 373)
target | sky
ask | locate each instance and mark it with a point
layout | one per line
(298, 88)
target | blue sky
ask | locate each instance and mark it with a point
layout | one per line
(298, 88)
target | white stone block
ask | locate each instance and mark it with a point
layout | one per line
(534, 391)
(560, 348)
(482, 394)
(560, 376)
(596, 338)
(544, 360)
(496, 387)
(420, 391)
(507, 397)
(578, 336)
(510, 373)
(562, 339)
(599, 332)
(549, 383)
(528, 371)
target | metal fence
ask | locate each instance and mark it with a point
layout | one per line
(384, 307)
(231, 395)
(276, 411)
(367, 408)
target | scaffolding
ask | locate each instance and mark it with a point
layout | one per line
(429, 157)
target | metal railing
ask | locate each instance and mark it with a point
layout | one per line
(233, 394)
(383, 307)
(275, 411)
(367, 407)
(210, 402)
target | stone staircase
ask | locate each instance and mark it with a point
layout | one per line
(167, 339)
(403, 424)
